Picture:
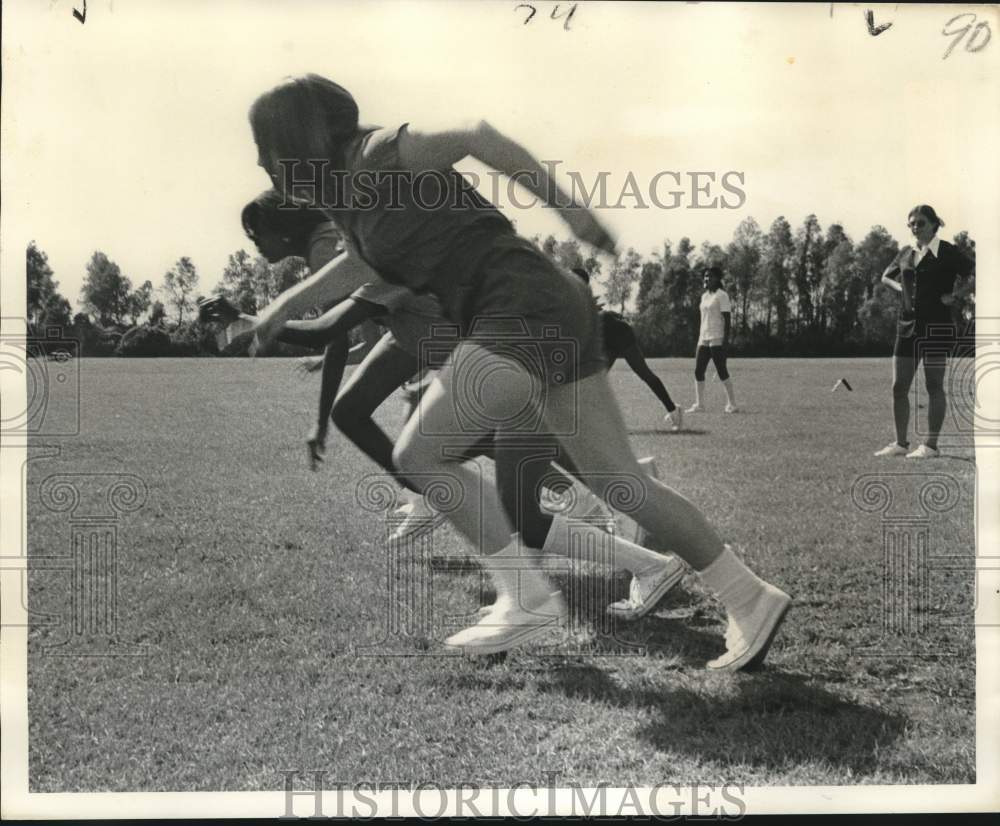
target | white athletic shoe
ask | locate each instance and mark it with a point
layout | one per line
(695, 408)
(924, 452)
(732, 408)
(894, 449)
(420, 518)
(675, 418)
(509, 626)
(645, 592)
(747, 643)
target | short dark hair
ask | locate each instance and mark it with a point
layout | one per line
(927, 211)
(271, 211)
(716, 271)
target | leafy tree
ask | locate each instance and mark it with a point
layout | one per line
(845, 291)
(682, 287)
(965, 288)
(651, 280)
(105, 293)
(46, 307)
(743, 258)
(239, 282)
(650, 286)
(179, 283)
(806, 268)
(779, 250)
(157, 314)
(622, 279)
(270, 280)
(873, 255)
(139, 301)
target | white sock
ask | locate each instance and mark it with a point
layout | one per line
(517, 576)
(565, 536)
(699, 392)
(730, 393)
(736, 586)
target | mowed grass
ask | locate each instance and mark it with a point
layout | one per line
(261, 594)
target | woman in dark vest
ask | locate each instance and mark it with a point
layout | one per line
(924, 276)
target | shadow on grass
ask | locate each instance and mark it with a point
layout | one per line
(768, 719)
(772, 720)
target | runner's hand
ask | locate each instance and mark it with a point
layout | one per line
(316, 447)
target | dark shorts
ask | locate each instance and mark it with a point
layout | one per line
(619, 337)
(521, 303)
(932, 340)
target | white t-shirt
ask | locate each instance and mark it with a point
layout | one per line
(713, 325)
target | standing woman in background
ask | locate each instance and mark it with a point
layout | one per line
(713, 340)
(924, 276)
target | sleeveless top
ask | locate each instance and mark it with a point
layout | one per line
(428, 230)
(410, 317)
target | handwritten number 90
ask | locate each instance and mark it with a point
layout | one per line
(976, 42)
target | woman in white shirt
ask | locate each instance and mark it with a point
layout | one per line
(713, 339)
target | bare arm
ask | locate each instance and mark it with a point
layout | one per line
(340, 319)
(891, 282)
(440, 150)
(891, 276)
(335, 281)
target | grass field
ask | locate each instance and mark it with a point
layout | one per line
(254, 586)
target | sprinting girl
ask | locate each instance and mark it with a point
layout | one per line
(620, 341)
(504, 374)
(411, 321)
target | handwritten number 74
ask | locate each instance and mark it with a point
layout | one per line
(981, 34)
(555, 15)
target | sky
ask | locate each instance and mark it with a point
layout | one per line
(128, 133)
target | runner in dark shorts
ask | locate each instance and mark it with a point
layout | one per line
(620, 342)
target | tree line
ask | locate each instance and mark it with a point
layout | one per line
(806, 291)
(794, 292)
